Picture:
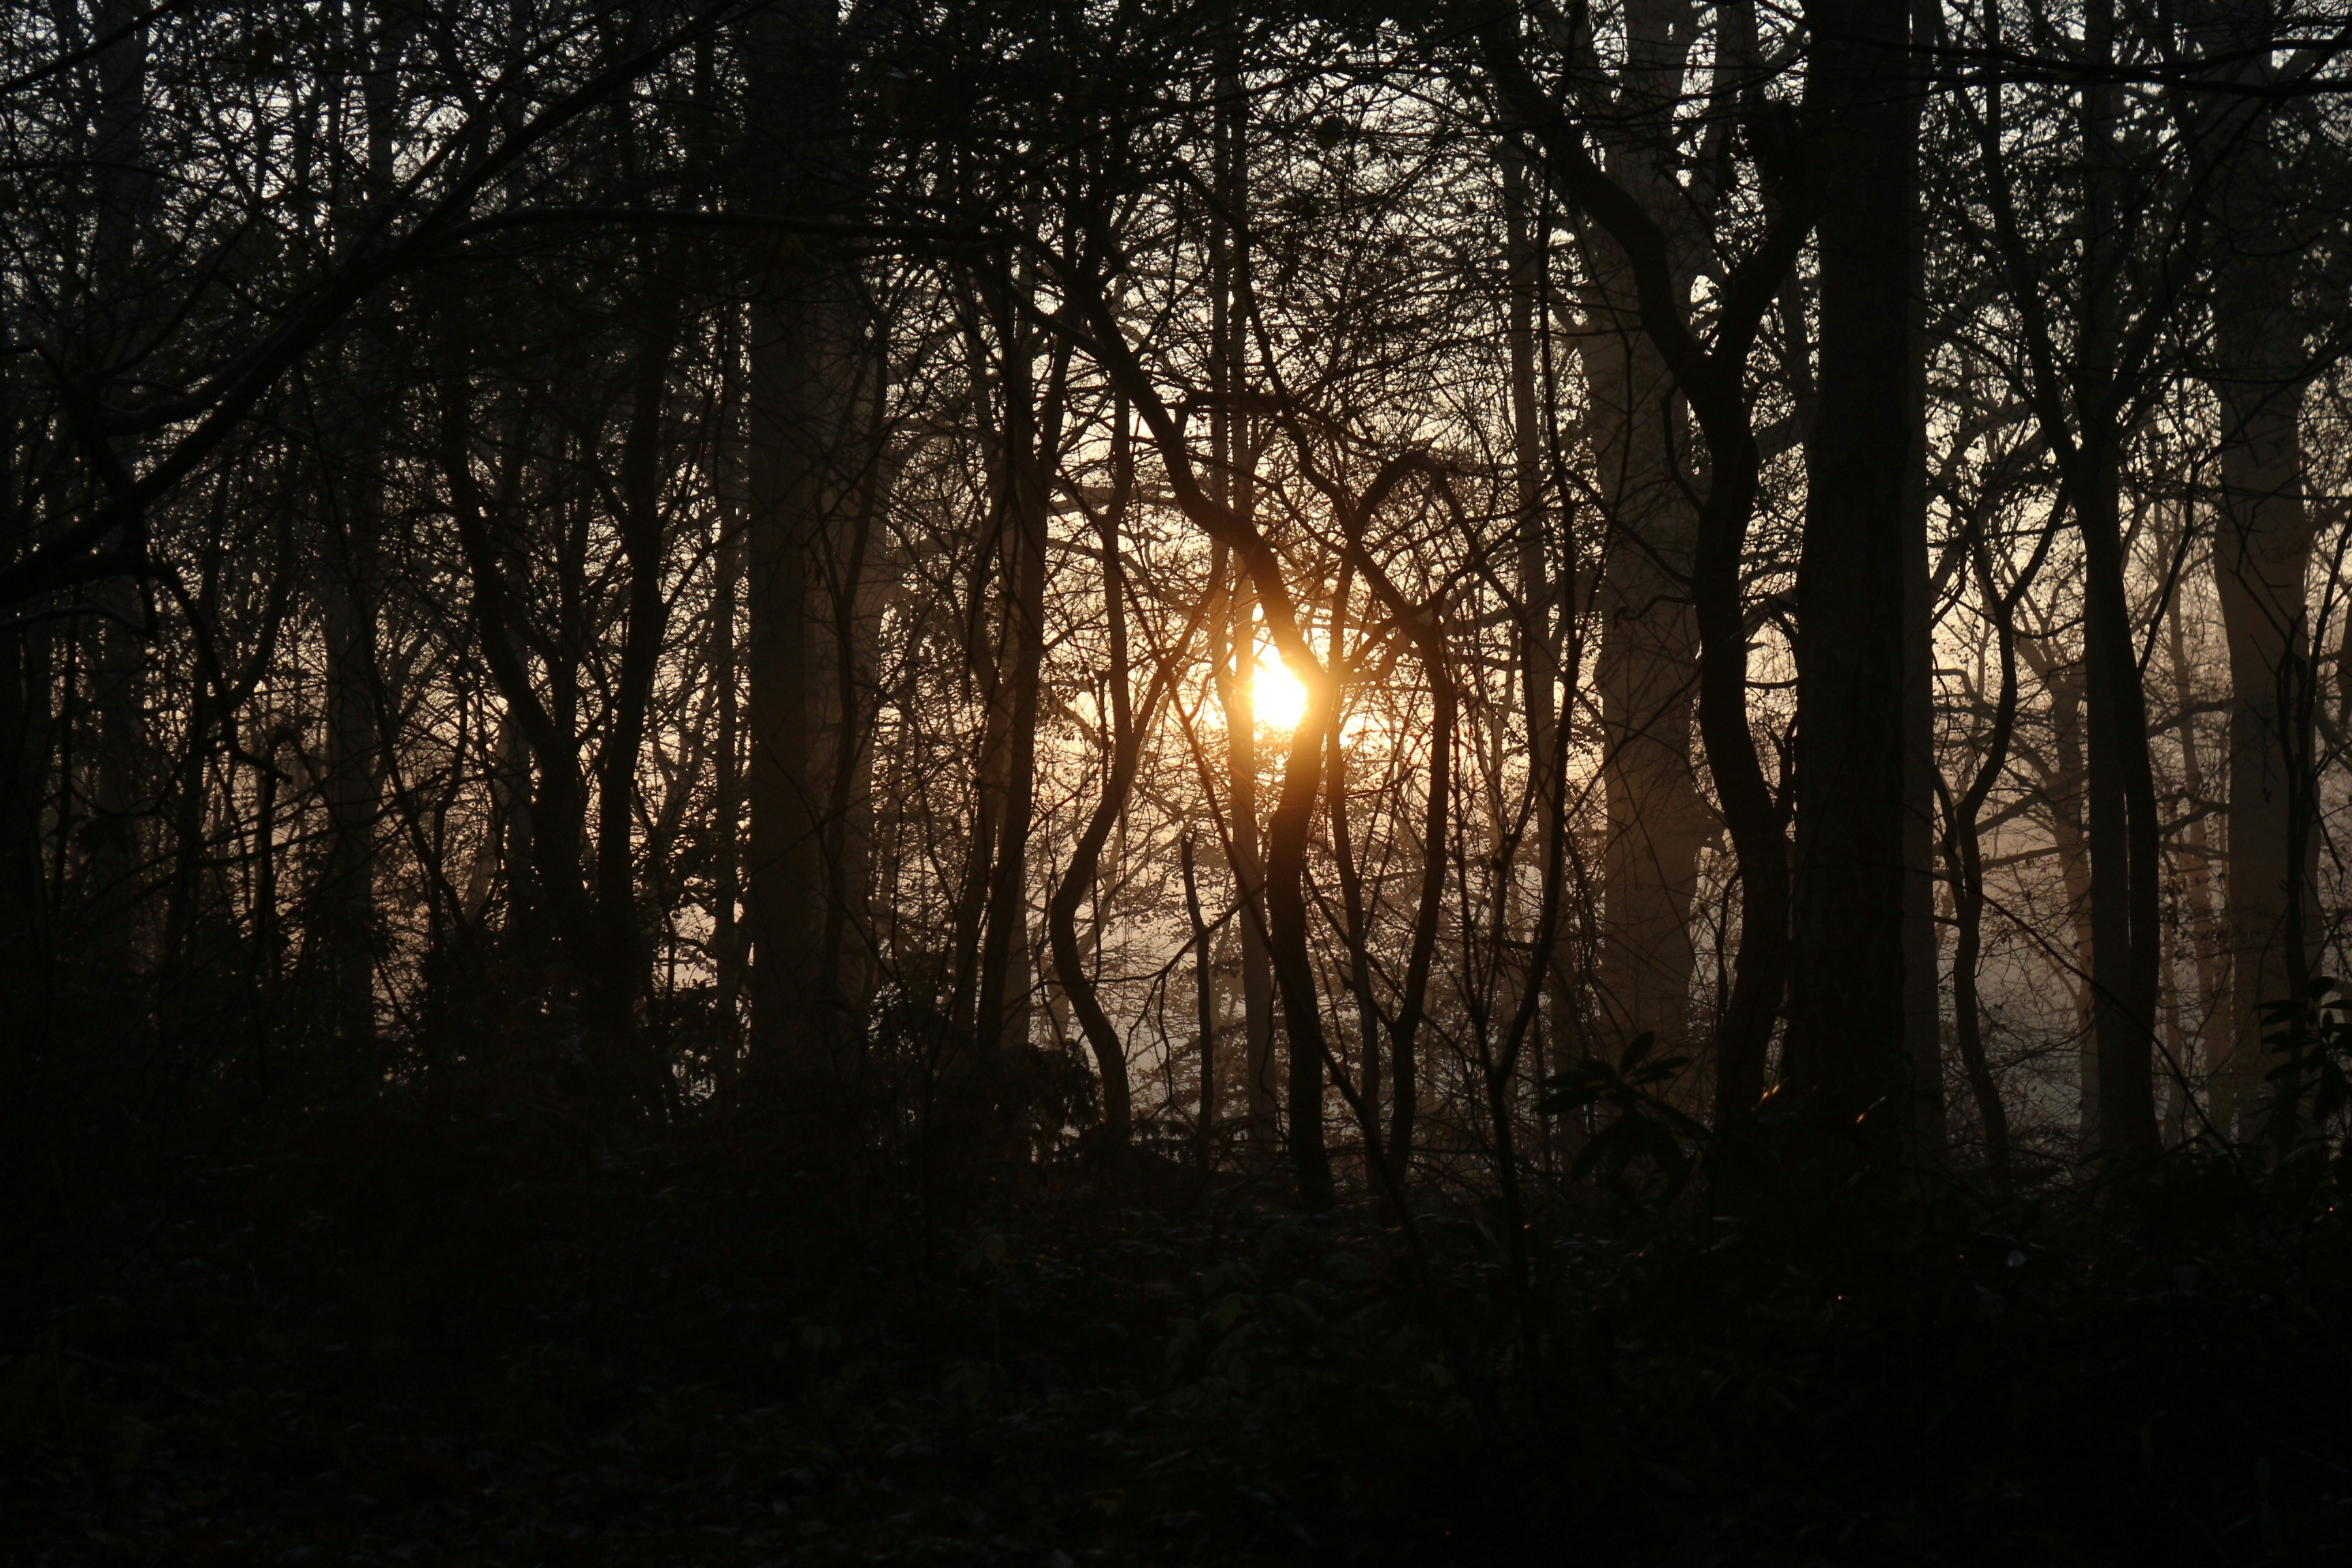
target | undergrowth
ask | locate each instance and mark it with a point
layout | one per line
(408, 1342)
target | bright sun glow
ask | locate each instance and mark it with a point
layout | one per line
(1280, 701)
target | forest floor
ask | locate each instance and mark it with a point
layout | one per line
(396, 1342)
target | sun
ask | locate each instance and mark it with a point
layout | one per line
(1276, 693)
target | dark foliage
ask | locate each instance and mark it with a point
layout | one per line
(414, 1334)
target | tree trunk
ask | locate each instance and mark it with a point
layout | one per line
(2261, 548)
(859, 589)
(728, 566)
(1649, 648)
(2196, 854)
(2126, 939)
(1287, 833)
(126, 199)
(2063, 792)
(1848, 1006)
(1357, 928)
(1031, 436)
(1964, 854)
(1232, 465)
(1355, 933)
(1234, 659)
(644, 627)
(352, 576)
(1657, 820)
(1923, 1012)
(1204, 1002)
(1079, 882)
(1538, 638)
(803, 338)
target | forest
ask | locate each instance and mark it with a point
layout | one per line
(1021, 781)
